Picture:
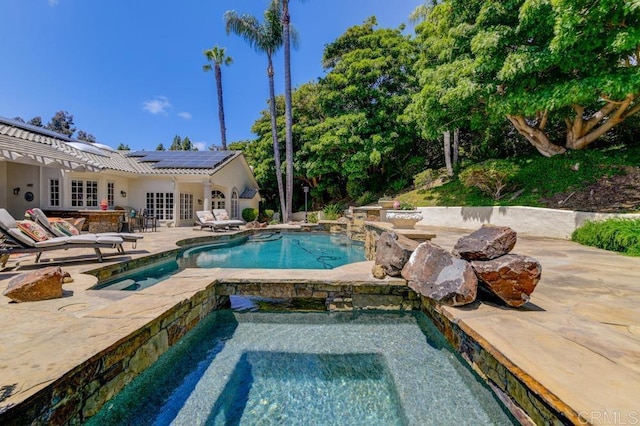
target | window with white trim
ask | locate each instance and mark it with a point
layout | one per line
(160, 205)
(217, 200)
(186, 206)
(111, 190)
(54, 192)
(84, 193)
(235, 210)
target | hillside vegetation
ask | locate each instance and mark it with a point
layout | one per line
(606, 180)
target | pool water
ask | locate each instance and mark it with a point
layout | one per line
(357, 368)
(287, 250)
(273, 250)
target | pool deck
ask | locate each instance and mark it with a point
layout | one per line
(578, 338)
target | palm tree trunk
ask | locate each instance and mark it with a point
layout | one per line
(223, 128)
(286, 19)
(274, 136)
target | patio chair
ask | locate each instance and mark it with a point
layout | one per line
(64, 229)
(221, 215)
(206, 219)
(29, 237)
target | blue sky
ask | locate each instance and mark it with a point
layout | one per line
(131, 71)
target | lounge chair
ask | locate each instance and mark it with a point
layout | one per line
(64, 229)
(221, 215)
(206, 219)
(29, 237)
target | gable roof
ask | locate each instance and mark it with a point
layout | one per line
(24, 143)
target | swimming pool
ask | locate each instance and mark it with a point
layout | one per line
(269, 250)
(323, 369)
(278, 250)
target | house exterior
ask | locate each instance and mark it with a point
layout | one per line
(41, 168)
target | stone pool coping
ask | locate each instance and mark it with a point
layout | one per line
(576, 345)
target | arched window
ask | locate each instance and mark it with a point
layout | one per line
(217, 200)
(235, 210)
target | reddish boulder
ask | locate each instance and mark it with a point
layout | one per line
(511, 277)
(43, 284)
(488, 242)
(392, 253)
(435, 273)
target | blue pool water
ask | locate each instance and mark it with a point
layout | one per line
(273, 250)
(307, 369)
(288, 250)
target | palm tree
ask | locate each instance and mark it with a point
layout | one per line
(288, 114)
(217, 57)
(265, 38)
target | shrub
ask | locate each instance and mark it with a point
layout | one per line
(367, 197)
(249, 214)
(430, 178)
(621, 235)
(399, 185)
(266, 216)
(491, 177)
(312, 217)
(332, 211)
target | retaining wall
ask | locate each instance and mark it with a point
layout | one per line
(532, 221)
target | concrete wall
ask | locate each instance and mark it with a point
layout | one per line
(531, 221)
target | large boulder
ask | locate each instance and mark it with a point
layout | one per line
(435, 273)
(488, 242)
(42, 284)
(392, 252)
(511, 277)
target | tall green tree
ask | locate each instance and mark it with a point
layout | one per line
(265, 37)
(217, 57)
(62, 122)
(187, 145)
(176, 144)
(369, 83)
(36, 121)
(160, 147)
(86, 137)
(556, 69)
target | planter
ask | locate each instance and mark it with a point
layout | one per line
(404, 219)
(386, 204)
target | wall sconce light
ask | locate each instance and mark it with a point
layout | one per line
(123, 194)
(199, 202)
(16, 191)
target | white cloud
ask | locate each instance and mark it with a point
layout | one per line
(202, 146)
(158, 105)
(53, 3)
(185, 115)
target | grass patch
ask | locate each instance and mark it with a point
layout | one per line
(621, 235)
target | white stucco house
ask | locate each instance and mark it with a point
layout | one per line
(41, 168)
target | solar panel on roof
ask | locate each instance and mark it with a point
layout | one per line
(183, 159)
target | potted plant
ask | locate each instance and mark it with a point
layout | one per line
(404, 215)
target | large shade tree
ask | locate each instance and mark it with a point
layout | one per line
(369, 83)
(265, 37)
(217, 57)
(556, 69)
